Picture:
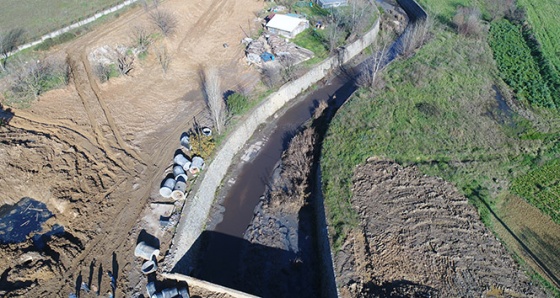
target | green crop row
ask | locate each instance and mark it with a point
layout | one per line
(516, 64)
(541, 187)
(543, 18)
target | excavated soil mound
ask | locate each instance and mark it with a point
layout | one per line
(418, 236)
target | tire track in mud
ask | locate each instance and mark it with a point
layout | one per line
(110, 120)
(92, 152)
(97, 111)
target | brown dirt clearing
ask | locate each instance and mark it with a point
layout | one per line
(419, 236)
(96, 153)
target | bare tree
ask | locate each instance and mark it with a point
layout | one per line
(141, 39)
(289, 67)
(164, 58)
(414, 36)
(374, 64)
(271, 76)
(359, 13)
(467, 21)
(32, 78)
(10, 42)
(211, 85)
(165, 21)
(334, 32)
(102, 72)
(501, 8)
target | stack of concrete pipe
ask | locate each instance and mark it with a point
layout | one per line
(175, 187)
(148, 253)
(166, 293)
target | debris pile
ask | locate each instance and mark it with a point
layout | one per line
(283, 48)
(278, 46)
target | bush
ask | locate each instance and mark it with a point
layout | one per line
(237, 104)
(165, 21)
(33, 78)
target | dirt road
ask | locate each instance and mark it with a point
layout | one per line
(96, 153)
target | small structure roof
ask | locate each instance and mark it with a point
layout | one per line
(284, 22)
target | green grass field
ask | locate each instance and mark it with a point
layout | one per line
(39, 17)
(438, 111)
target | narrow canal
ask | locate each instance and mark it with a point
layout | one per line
(224, 250)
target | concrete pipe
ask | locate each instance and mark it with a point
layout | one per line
(187, 166)
(180, 187)
(167, 188)
(157, 295)
(151, 288)
(185, 142)
(207, 131)
(180, 159)
(178, 170)
(149, 267)
(170, 292)
(197, 165)
(184, 293)
(146, 252)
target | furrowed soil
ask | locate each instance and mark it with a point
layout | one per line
(95, 153)
(418, 236)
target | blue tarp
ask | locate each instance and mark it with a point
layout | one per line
(266, 56)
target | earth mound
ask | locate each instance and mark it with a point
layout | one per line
(419, 236)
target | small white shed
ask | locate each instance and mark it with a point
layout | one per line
(287, 26)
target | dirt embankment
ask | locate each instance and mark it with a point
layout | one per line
(280, 255)
(419, 236)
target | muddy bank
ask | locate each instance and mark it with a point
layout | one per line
(277, 256)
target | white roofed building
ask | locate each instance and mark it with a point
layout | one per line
(286, 25)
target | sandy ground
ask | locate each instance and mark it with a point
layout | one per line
(96, 153)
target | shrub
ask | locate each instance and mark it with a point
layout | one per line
(165, 21)
(237, 104)
(33, 78)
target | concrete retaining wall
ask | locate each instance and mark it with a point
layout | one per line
(194, 218)
(191, 281)
(413, 10)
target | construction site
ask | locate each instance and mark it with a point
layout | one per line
(125, 186)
